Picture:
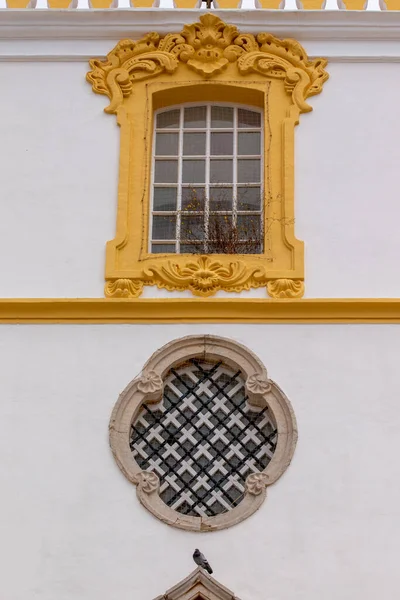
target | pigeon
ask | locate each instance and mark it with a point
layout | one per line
(201, 560)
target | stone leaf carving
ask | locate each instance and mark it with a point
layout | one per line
(285, 288)
(207, 47)
(256, 482)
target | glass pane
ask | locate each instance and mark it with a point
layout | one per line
(194, 143)
(221, 171)
(164, 198)
(222, 143)
(192, 228)
(166, 171)
(249, 198)
(195, 116)
(221, 234)
(167, 144)
(220, 198)
(193, 171)
(249, 227)
(248, 171)
(249, 247)
(164, 228)
(224, 246)
(248, 118)
(221, 116)
(162, 248)
(168, 119)
(219, 225)
(249, 143)
(193, 199)
(192, 248)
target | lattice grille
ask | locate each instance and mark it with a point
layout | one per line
(203, 439)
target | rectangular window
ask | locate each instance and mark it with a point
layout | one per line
(207, 181)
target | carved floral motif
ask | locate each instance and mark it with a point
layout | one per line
(285, 288)
(149, 482)
(204, 276)
(258, 384)
(256, 482)
(150, 382)
(207, 47)
(123, 288)
(210, 45)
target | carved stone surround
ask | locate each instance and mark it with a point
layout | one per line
(221, 64)
(148, 388)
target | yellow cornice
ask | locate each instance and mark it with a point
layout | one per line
(216, 310)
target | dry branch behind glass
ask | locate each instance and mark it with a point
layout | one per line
(213, 226)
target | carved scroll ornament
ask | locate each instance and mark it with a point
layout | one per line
(208, 47)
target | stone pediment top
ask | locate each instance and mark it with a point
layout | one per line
(198, 585)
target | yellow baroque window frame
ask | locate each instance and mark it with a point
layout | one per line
(207, 61)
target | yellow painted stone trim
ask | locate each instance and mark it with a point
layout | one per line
(20, 4)
(389, 4)
(353, 4)
(210, 61)
(62, 3)
(227, 3)
(273, 4)
(186, 4)
(192, 310)
(143, 3)
(313, 4)
(102, 4)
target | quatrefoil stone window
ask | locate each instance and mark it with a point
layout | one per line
(202, 433)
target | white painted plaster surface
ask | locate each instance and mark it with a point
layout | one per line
(72, 528)
(59, 159)
(347, 184)
(59, 174)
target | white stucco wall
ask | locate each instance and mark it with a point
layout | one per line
(59, 159)
(71, 526)
(59, 169)
(347, 207)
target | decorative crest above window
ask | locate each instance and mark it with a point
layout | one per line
(207, 48)
(202, 433)
(213, 65)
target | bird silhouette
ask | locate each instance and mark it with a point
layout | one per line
(201, 560)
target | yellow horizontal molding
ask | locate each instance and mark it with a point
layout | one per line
(215, 310)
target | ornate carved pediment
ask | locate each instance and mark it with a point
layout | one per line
(207, 47)
(199, 585)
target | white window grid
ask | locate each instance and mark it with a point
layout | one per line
(176, 242)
